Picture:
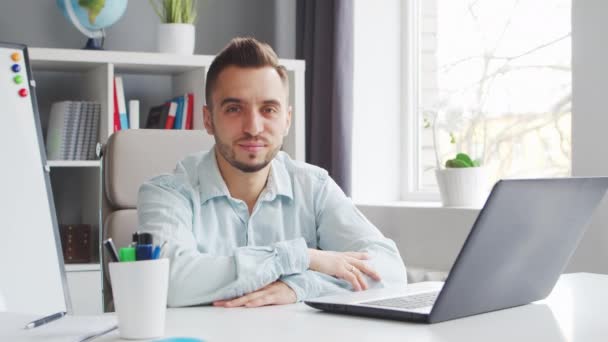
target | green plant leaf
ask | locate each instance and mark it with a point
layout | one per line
(465, 158)
(175, 11)
(455, 163)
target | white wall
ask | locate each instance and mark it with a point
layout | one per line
(40, 24)
(590, 121)
(428, 238)
(376, 93)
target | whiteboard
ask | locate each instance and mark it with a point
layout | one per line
(32, 275)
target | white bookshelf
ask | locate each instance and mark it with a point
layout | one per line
(187, 74)
(84, 75)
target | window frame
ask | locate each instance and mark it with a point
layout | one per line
(411, 188)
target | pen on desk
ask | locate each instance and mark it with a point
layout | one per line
(109, 244)
(45, 320)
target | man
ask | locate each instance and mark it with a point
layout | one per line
(244, 224)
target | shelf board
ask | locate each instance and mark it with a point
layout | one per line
(127, 61)
(82, 267)
(73, 163)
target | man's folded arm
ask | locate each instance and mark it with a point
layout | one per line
(198, 278)
(342, 228)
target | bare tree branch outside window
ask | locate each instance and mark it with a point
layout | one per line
(501, 87)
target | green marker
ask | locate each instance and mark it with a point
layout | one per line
(127, 254)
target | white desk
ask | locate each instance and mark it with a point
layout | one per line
(576, 310)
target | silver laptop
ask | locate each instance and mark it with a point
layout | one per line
(517, 249)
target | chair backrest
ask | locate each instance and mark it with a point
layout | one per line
(130, 158)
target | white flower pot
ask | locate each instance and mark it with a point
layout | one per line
(463, 187)
(176, 38)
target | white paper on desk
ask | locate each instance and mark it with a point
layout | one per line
(66, 329)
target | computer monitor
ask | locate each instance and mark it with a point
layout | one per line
(32, 275)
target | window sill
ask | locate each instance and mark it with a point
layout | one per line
(424, 205)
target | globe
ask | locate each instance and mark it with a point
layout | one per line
(91, 17)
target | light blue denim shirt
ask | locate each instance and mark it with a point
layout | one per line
(218, 251)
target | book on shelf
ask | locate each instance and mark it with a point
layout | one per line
(176, 113)
(133, 114)
(116, 115)
(72, 132)
(122, 104)
(93, 132)
(190, 116)
(157, 117)
(179, 114)
(83, 116)
(172, 114)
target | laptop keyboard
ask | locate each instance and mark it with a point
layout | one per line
(407, 302)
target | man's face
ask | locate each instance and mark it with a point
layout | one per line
(249, 116)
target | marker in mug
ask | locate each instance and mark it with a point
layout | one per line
(109, 244)
(144, 249)
(158, 250)
(127, 254)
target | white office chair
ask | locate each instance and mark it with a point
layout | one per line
(131, 157)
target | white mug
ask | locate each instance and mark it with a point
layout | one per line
(140, 297)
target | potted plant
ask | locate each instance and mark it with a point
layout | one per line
(176, 32)
(462, 181)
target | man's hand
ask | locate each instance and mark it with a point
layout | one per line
(344, 265)
(276, 293)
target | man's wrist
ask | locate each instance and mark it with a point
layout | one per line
(312, 257)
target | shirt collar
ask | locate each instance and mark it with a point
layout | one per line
(279, 182)
(212, 184)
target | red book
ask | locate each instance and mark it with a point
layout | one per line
(116, 120)
(189, 118)
(171, 116)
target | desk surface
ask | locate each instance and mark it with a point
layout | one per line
(576, 310)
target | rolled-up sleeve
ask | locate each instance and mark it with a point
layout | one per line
(341, 227)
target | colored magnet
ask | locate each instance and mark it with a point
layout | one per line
(16, 56)
(23, 92)
(18, 79)
(16, 67)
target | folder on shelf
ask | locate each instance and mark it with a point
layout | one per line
(179, 114)
(116, 116)
(93, 129)
(186, 107)
(59, 117)
(122, 105)
(190, 114)
(171, 117)
(72, 132)
(157, 116)
(133, 114)
(83, 117)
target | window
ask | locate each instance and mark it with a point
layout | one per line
(490, 78)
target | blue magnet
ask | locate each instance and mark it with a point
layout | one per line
(16, 67)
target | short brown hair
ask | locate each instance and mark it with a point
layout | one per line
(245, 53)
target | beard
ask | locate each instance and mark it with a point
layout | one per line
(228, 153)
